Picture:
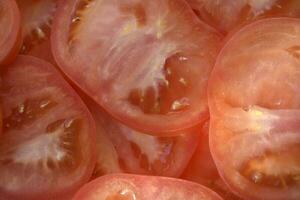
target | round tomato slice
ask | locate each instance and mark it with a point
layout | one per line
(9, 31)
(132, 187)
(37, 18)
(227, 14)
(140, 153)
(48, 140)
(255, 110)
(146, 62)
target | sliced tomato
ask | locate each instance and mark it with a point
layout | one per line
(255, 110)
(9, 31)
(48, 142)
(122, 149)
(131, 187)
(202, 169)
(146, 62)
(228, 14)
(37, 18)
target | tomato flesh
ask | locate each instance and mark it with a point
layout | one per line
(9, 31)
(47, 144)
(131, 187)
(255, 116)
(147, 69)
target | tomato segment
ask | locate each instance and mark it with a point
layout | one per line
(227, 15)
(130, 151)
(47, 144)
(255, 116)
(131, 187)
(148, 69)
(9, 31)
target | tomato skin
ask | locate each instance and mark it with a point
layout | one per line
(125, 186)
(11, 40)
(83, 170)
(101, 91)
(250, 145)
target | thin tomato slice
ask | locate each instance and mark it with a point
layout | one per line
(146, 62)
(131, 187)
(9, 31)
(255, 110)
(227, 14)
(37, 16)
(130, 151)
(48, 140)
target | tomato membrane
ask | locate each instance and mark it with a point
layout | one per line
(122, 149)
(125, 186)
(255, 117)
(9, 31)
(37, 16)
(147, 69)
(47, 144)
(226, 15)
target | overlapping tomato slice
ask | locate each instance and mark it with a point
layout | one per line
(132, 187)
(37, 16)
(202, 169)
(227, 14)
(122, 149)
(255, 110)
(47, 148)
(9, 31)
(146, 62)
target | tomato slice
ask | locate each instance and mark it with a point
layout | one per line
(255, 110)
(148, 69)
(48, 140)
(202, 169)
(131, 187)
(37, 18)
(228, 14)
(9, 31)
(122, 149)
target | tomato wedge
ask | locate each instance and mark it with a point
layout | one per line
(140, 153)
(47, 148)
(255, 110)
(37, 18)
(146, 62)
(227, 14)
(9, 31)
(131, 187)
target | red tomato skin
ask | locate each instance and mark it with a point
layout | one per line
(11, 46)
(66, 193)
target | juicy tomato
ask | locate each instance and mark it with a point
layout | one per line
(148, 69)
(48, 140)
(37, 18)
(227, 14)
(131, 187)
(254, 101)
(122, 149)
(202, 169)
(9, 31)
